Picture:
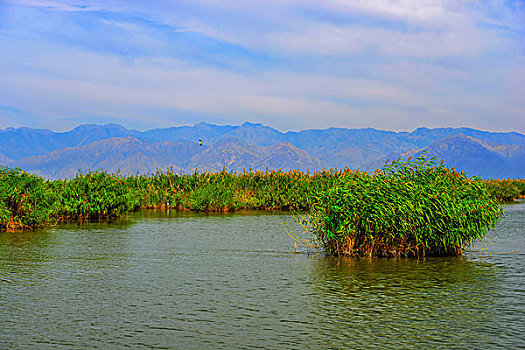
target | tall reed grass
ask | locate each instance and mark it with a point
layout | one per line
(410, 208)
(506, 190)
(26, 202)
(401, 206)
(93, 195)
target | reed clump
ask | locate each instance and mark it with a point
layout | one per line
(409, 208)
(93, 195)
(25, 201)
(225, 191)
(394, 201)
(506, 190)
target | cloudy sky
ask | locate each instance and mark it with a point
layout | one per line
(289, 64)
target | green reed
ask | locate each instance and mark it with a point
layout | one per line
(410, 208)
(224, 191)
(29, 202)
(506, 190)
(93, 195)
(25, 201)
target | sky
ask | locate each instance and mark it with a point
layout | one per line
(288, 64)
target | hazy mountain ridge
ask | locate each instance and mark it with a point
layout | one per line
(23, 142)
(130, 155)
(127, 155)
(233, 154)
(255, 146)
(475, 157)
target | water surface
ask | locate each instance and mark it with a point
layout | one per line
(186, 280)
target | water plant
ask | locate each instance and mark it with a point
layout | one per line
(95, 194)
(224, 191)
(506, 190)
(25, 201)
(400, 192)
(409, 208)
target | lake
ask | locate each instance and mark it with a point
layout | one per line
(172, 280)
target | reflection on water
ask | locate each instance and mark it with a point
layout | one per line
(436, 302)
(186, 280)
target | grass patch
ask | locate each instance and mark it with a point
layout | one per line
(409, 208)
(412, 208)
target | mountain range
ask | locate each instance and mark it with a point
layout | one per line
(114, 148)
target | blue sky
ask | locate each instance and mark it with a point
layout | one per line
(289, 64)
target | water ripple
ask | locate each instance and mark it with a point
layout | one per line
(229, 281)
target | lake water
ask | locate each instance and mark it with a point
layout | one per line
(180, 281)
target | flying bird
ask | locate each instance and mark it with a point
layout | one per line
(200, 142)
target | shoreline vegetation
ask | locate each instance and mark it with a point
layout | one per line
(408, 208)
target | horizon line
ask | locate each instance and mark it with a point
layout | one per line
(10, 128)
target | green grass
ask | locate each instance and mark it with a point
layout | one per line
(410, 208)
(94, 195)
(26, 202)
(413, 208)
(506, 190)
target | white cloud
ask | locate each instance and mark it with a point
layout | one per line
(436, 28)
(90, 83)
(173, 83)
(430, 62)
(337, 40)
(433, 29)
(58, 5)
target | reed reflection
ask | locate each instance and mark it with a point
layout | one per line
(438, 302)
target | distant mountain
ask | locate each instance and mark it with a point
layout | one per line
(477, 157)
(229, 153)
(24, 142)
(127, 155)
(354, 148)
(422, 137)
(235, 155)
(208, 132)
(130, 155)
(4, 159)
(289, 157)
(254, 146)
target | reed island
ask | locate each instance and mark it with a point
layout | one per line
(409, 208)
